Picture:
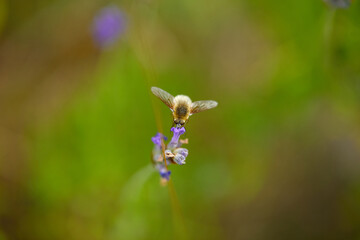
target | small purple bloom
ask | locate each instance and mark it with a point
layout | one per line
(179, 159)
(177, 133)
(163, 172)
(108, 25)
(157, 139)
(180, 155)
(165, 175)
(182, 151)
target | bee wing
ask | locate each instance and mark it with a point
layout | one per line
(164, 96)
(200, 106)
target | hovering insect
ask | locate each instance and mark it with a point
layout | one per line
(181, 106)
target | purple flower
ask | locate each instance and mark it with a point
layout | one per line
(165, 174)
(108, 25)
(180, 155)
(182, 151)
(179, 159)
(338, 3)
(157, 139)
(173, 153)
(177, 133)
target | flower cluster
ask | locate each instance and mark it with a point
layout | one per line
(173, 152)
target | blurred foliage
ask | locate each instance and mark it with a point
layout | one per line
(3, 12)
(277, 159)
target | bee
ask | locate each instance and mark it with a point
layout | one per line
(181, 106)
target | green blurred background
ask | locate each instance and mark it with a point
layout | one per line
(279, 158)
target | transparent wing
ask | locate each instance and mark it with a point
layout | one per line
(200, 106)
(164, 96)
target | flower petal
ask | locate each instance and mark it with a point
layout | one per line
(177, 133)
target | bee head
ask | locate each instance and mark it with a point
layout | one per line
(179, 122)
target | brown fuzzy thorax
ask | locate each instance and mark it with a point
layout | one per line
(182, 105)
(181, 111)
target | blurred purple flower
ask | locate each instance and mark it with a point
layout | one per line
(179, 159)
(175, 139)
(165, 174)
(338, 3)
(180, 155)
(157, 139)
(108, 25)
(182, 151)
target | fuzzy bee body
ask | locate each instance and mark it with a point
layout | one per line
(181, 109)
(182, 106)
